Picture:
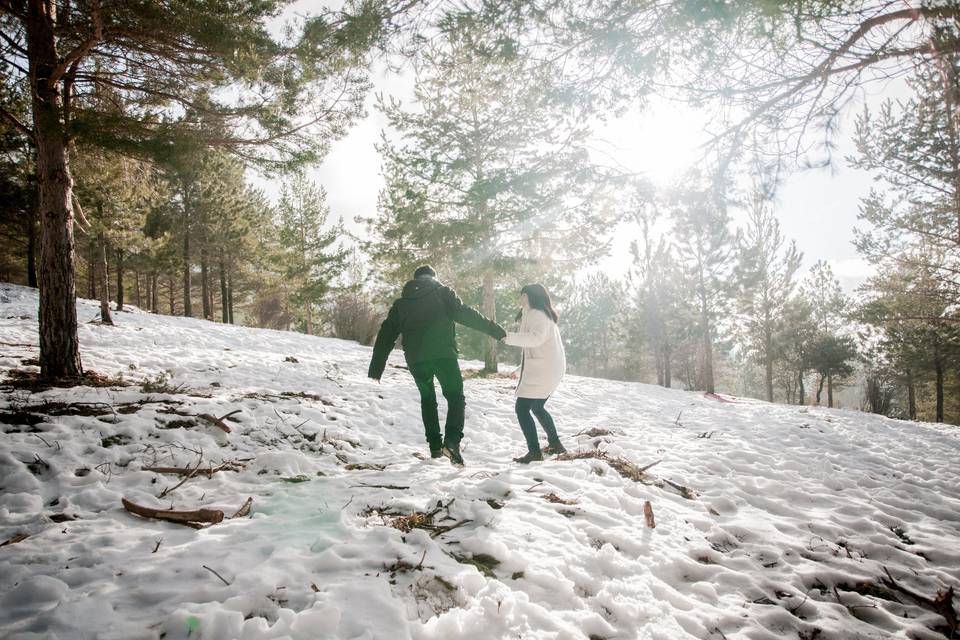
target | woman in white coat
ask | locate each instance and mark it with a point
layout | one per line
(543, 365)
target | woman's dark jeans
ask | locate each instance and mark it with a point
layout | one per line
(527, 406)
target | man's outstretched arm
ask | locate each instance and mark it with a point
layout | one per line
(469, 317)
(386, 339)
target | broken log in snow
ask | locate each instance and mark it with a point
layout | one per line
(188, 518)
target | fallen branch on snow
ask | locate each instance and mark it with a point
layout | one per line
(192, 519)
(244, 510)
(942, 603)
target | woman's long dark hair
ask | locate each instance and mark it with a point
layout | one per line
(538, 298)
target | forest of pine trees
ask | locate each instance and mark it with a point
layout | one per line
(135, 145)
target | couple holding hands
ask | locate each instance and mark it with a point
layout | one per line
(425, 315)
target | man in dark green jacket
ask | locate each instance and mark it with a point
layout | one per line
(424, 316)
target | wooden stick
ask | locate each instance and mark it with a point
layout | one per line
(227, 415)
(215, 421)
(20, 537)
(192, 473)
(444, 529)
(183, 471)
(650, 466)
(648, 514)
(395, 487)
(216, 574)
(244, 510)
(188, 518)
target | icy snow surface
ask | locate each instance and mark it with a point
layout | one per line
(793, 517)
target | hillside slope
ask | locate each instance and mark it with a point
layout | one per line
(772, 521)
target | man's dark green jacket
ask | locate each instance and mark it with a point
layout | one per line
(425, 315)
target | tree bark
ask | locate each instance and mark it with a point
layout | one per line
(707, 348)
(820, 387)
(801, 392)
(205, 285)
(119, 279)
(768, 360)
(667, 362)
(136, 288)
(56, 277)
(187, 305)
(104, 281)
(230, 294)
(154, 292)
(172, 293)
(489, 310)
(32, 247)
(911, 396)
(224, 298)
(938, 365)
(830, 391)
(91, 273)
(658, 364)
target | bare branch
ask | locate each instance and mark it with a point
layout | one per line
(73, 58)
(19, 126)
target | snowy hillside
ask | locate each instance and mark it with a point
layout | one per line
(771, 521)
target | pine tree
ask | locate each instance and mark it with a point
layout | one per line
(657, 316)
(794, 346)
(705, 252)
(913, 149)
(766, 269)
(310, 259)
(593, 321)
(115, 194)
(833, 347)
(915, 335)
(485, 174)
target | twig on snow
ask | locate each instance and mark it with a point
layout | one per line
(244, 510)
(216, 574)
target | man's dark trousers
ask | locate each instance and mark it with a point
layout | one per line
(447, 372)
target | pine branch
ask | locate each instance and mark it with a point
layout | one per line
(19, 126)
(74, 57)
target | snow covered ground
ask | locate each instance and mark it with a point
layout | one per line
(771, 521)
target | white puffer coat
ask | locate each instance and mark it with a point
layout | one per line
(544, 361)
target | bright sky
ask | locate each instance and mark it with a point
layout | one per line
(817, 208)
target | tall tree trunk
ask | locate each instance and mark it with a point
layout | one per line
(938, 365)
(707, 347)
(489, 310)
(823, 379)
(667, 365)
(32, 247)
(154, 292)
(230, 294)
(801, 392)
(205, 285)
(830, 391)
(104, 281)
(119, 279)
(911, 396)
(309, 313)
(173, 295)
(92, 273)
(658, 363)
(768, 361)
(224, 298)
(136, 288)
(59, 346)
(187, 304)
